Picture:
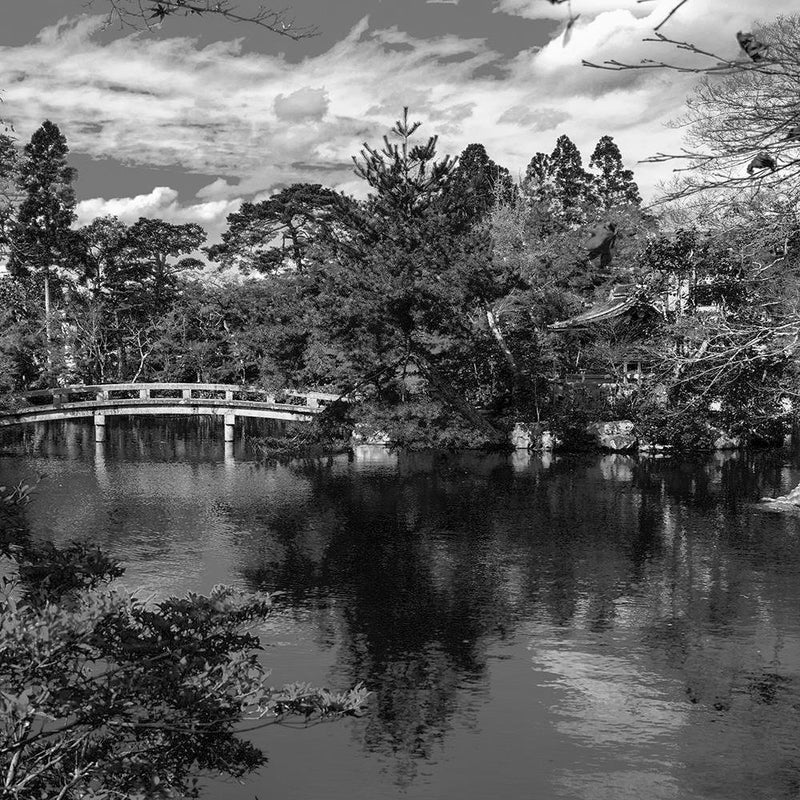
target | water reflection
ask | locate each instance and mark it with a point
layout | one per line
(580, 627)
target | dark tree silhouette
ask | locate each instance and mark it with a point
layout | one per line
(560, 184)
(480, 182)
(41, 237)
(614, 185)
(277, 233)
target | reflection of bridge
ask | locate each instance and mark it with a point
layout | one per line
(133, 399)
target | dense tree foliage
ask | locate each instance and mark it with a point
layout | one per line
(480, 183)
(41, 241)
(9, 163)
(614, 185)
(41, 237)
(432, 299)
(278, 233)
(106, 696)
(409, 269)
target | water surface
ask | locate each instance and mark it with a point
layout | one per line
(576, 627)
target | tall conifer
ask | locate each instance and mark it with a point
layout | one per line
(615, 184)
(480, 181)
(573, 184)
(560, 184)
(41, 237)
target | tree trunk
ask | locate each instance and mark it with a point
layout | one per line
(497, 332)
(431, 374)
(47, 314)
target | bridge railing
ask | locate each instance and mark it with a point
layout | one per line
(64, 395)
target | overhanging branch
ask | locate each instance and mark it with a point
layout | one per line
(150, 13)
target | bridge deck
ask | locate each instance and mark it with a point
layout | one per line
(122, 399)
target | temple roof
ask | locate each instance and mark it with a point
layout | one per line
(621, 298)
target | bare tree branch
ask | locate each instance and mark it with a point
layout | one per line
(150, 13)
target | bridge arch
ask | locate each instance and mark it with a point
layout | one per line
(228, 401)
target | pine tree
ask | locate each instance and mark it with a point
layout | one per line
(559, 184)
(573, 184)
(9, 196)
(278, 233)
(155, 253)
(537, 185)
(614, 185)
(409, 270)
(480, 182)
(41, 236)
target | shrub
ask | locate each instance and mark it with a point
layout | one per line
(682, 430)
(105, 696)
(419, 425)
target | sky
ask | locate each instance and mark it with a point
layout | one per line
(185, 121)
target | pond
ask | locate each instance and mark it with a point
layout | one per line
(577, 627)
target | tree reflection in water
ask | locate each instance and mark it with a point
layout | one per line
(420, 586)
(644, 608)
(433, 561)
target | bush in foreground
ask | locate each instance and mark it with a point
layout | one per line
(104, 696)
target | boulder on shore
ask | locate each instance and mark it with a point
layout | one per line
(365, 434)
(724, 441)
(533, 436)
(617, 436)
(789, 501)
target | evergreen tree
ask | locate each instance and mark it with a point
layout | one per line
(560, 185)
(134, 277)
(480, 182)
(41, 236)
(538, 183)
(9, 195)
(277, 233)
(97, 312)
(104, 266)
(614, 185)
(573, 184)
(155, 254)
(409, 270)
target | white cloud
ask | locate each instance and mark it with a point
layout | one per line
(541, 9)
(302, 105)
(536, 118)
(260, 122)
(161, 203)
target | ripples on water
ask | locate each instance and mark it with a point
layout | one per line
(587, 628)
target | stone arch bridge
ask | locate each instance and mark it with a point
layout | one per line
(164, 399)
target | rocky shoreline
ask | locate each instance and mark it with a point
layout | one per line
(618, 436)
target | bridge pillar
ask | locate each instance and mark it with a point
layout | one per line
(99, 426)
(230, 423)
